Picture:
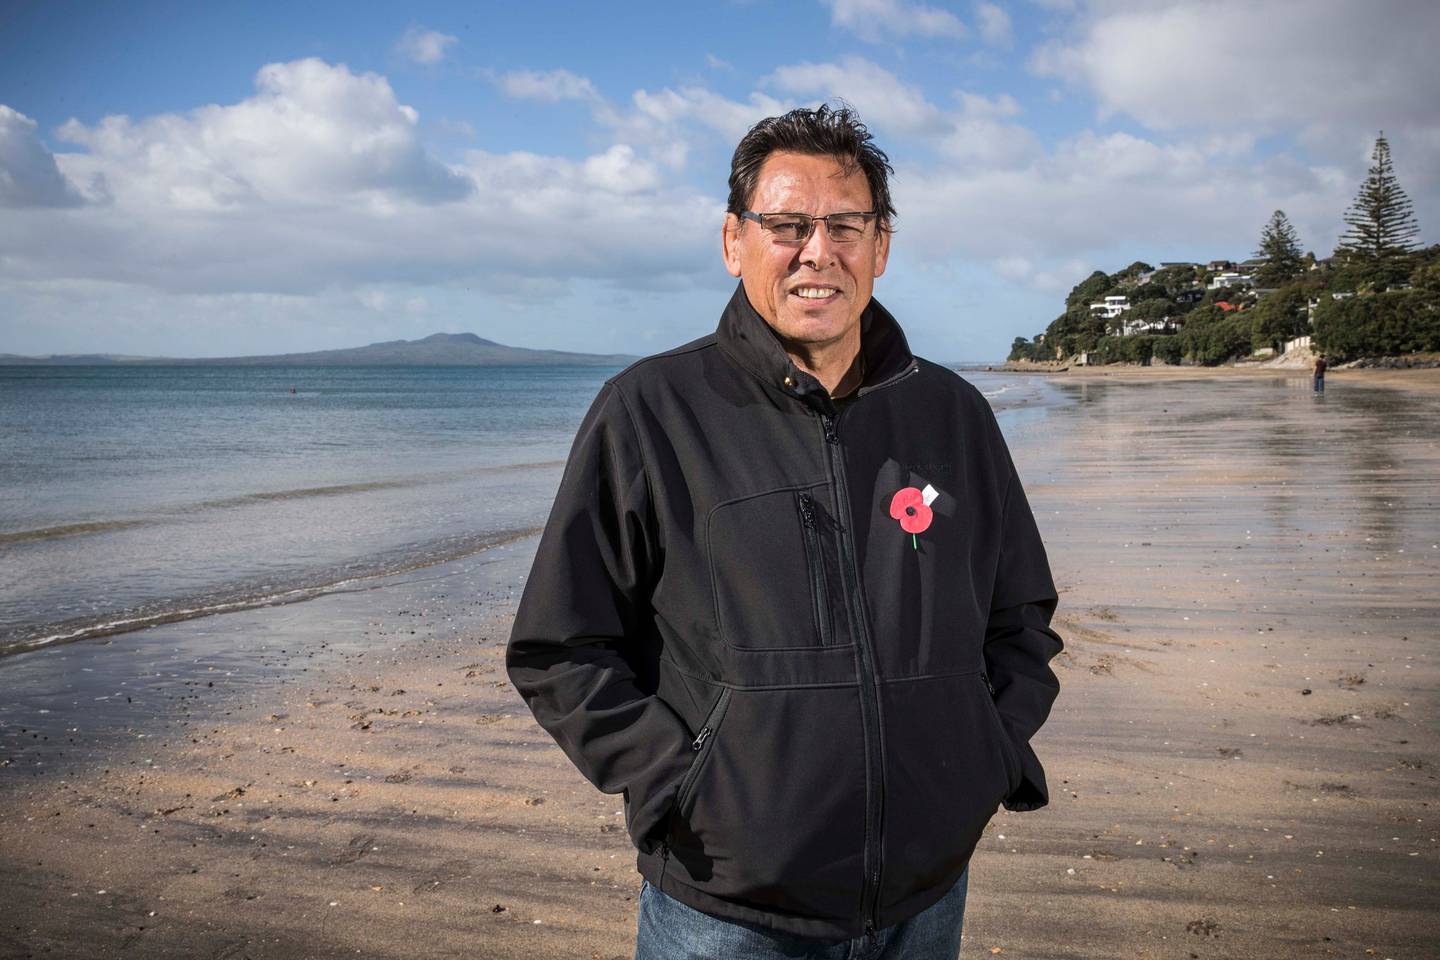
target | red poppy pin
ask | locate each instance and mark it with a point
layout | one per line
(912, 508)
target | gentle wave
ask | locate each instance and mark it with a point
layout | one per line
(85, 527)
(70, 530)
(243, 598)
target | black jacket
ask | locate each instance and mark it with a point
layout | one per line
(812, 714)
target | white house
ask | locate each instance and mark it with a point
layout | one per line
(1230, 278)
(1111, 307)
(1163, 325)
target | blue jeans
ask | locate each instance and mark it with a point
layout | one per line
(670, 930)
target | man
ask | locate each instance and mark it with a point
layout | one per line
(1318, 371)
(791, 600)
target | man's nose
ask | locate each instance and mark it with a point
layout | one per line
(819, 250)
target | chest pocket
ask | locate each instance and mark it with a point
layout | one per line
(775, 571)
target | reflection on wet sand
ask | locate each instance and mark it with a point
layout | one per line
(1242, 757)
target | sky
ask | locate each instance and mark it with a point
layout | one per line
(185, 179)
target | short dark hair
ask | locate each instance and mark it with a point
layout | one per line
(823, 131)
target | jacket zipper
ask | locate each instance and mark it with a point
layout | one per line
(701, 747)
(870, 697)
(815, 560)
(999, 722)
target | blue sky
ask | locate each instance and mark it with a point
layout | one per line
(211, 179)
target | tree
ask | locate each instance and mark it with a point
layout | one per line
(1381, 222)
(1385, 324)
(1152, 311)
(1281, 250)
(1211, 336)
(1280, 316)
(1132, 273)
(1090, 289)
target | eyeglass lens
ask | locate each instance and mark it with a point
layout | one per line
(795, 227)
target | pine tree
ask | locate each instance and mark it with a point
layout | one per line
(1281, 250)
(1381, 221)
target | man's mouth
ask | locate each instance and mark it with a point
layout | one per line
(814, 292)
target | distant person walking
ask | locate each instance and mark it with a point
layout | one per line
(1319, 384)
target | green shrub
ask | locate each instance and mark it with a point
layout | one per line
(1381, 324)
(1279, 316)
(1169, 349)
(1212, 336)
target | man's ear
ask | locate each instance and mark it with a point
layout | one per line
(730, 243)
(882, 251)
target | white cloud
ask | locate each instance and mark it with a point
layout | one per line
(980, 106)
(662, 123)
(426, 47)
(667, 122)
(313, 130)
(978, 134)
(29, 176)
(320, 181)
(698, 105)
(994, 24)
(1314, 76)
(1097, 197)
(1277, 65)
(552, 86)
(872, 20)
(619, 171)
(874, 91)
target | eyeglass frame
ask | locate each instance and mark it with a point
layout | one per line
(760, 219)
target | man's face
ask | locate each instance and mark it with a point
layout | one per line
(810, 293)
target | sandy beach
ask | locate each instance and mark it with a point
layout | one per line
(1241, 761)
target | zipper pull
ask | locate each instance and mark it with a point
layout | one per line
(807, 510)
(829, 424)
(988, 685)
(700, 740)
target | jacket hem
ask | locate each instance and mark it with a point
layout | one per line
(652, 868)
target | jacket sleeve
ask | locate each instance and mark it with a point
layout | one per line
(1019, 643)
(574, 648)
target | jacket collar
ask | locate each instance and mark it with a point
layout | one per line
(751, 343)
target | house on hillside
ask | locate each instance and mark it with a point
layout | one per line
(1164, 325)
(1193, 295)
(1219, 266)
(1231, 278)
(1111, 307)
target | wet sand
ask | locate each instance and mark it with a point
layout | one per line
(1242, 759)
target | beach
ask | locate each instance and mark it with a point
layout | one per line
(1241, 761)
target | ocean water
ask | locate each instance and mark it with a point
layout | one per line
(131, 496)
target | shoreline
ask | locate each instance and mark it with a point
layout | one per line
(1418, 379)
(1218, 553)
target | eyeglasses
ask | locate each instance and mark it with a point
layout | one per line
(797, 227)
